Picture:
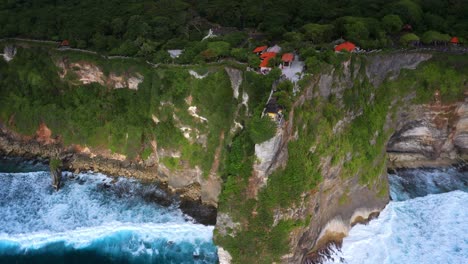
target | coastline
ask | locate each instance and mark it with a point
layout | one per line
(33, 149)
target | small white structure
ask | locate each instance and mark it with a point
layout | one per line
(175, 53)
(9, 52)
(209, 35)
(275, 49)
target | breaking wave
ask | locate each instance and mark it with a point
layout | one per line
(95, 218)
(426, 223)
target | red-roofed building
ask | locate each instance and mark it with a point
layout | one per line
(260, 50)
(346, 46)
(454, 40)
(64, 44)
(264, 63)
(407, 28)
(266, 57)
(287, 59)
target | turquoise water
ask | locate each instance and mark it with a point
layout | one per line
(93, 219)
(426, 223)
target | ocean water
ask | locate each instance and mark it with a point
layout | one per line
(93, 219)
(427, 222)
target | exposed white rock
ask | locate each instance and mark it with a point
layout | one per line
(224, 256)
(186, 131)
(193, 112)
(196, 75)
(266, 153)
(245, 100)
(417, 132)
(325, 84)
(226, 226)
(89, 73)
(390, 65)
(237, 126)
(134, 81)
(235, 76)
(209, 35)
(155, 119)
(117, 81)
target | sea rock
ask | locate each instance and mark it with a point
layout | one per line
(56, 174)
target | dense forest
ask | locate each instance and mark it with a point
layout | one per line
(147, 28)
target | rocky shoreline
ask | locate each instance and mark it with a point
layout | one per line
(37, 149)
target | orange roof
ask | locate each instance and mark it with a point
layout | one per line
(264, 62)
(348, 46)
(268, 55)
(454, 40)
(260, 49)
(287, 57)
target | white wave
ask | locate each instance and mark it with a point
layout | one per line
(84, 237)
(28, 203)
(430, 229)
(413, 183)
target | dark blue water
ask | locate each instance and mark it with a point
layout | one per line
(92, 219)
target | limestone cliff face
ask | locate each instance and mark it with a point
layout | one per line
(430, 136)
(337, 202)
(87, 73)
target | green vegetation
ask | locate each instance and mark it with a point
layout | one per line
(261, 129)
(148, 28)
(359, 147)
(171, 163)
(123, 120)
(55, 164)
(120, 119)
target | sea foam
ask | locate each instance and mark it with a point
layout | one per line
(94, 212)
(425, 222)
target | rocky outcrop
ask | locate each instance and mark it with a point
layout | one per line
(389, 65)
(185, 185)
(430, 136)
(338, 202)
(87, 73)
(55, 166)
(268, 154)
(235, 76)
(223, 256)
(378, 68)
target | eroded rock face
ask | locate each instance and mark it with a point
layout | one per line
(184, 184)
(337, 202)
(430, 135)
(390, 65)
(87, 73)
(270, 155)
(235, 76)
